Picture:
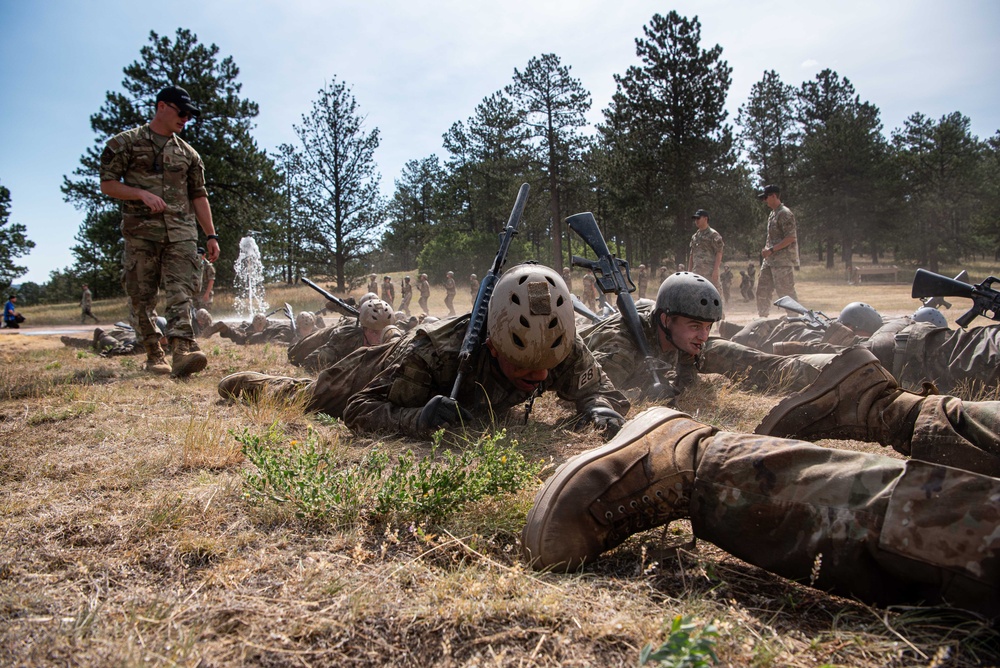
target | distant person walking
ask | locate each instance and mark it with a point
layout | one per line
(160, 179)
(87, 303)
(406, 294)
(780, 253)
(449, 292)
(388, 291)
(705, 255)
(206, 286)
(424, 288)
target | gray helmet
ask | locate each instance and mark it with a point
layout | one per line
(860, 317)
(531, 320)
(161, 325)
(690, 295)
(931, 315)
(376, 314)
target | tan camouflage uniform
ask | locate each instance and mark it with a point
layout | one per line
(162, 245)
(388, 292)
(86, 304)
(617, 353)
(449, 295)
(424, 287)
(763, 333)
(207, 275)
(326, 347)
(705, 245)
(406, 293)
(474, 289)
(777, 271)
(384, 388)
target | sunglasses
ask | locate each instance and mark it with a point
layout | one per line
(180, 113)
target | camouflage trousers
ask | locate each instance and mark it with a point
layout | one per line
(763, 371)
(771, 280)
(882, 530)
(177, 265)
(953, 432)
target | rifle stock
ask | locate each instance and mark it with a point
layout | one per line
(609, 275)
(344, 307)
(815, 319)
(475, 332)
(985, 300)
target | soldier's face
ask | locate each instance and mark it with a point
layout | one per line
(686, 334)
(702, 222)
(525, 380)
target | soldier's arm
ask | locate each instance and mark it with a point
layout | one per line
(392, 401)
(581, 380)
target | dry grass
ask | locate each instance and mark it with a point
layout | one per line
(126, 541)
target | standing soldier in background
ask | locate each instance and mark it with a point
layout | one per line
(643, 280)
(473, 287)
(588, 291)
(567, 275)
(373, 283)
(726, 278)
(406, 294)
(206, 291)
(424, 287)
(161, 180)
(388, 291)
(705, 256)
(449, 292)
(86, 303)
(662, 273)
(780, 253)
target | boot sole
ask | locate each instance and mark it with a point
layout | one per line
(538, 517)
(194, 366)
(829, 378)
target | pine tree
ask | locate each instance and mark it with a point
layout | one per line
(13, 243)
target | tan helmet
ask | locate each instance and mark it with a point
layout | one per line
(305, 322)
(203, 317)
(531, 321)
(376, 314)
(258, 323)
(365, 297)
(473, 277)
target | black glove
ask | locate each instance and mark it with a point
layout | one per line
(442, 411)
(664, 394)
(605, 419)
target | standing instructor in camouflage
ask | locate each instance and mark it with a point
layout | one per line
(160, 179)
(705, 256)
(780, 253)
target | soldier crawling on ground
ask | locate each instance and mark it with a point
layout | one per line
(113, 341)
(403, 387)
(374, 326)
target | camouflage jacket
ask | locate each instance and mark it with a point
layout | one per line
(175, 173)
(424, 363)
(449, 286)
(781, 224)
(425, 289)
(705, 245)
(207, 274)
(618, 354)
(325, 347)
(87, 301)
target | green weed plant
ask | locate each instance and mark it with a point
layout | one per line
(685, 646)
(309, 476)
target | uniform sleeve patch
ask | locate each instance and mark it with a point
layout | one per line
(587, 377)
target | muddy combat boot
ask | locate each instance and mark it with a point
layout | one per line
(854, 397)
(216, 327)
(639, 480)
(81, 344)
(155, 360)
(187, 358)
(250, 385)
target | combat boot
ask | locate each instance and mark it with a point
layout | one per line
(187, 357)
(215, 328)
(641, 479)
(75, 343)
(155, 360)
(250, 385)
(853, 397)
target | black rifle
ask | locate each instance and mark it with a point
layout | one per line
(475, 333)
(938, 302)
(612, 275)
(290, 314)
(343, 306)
(985, 300)
(814, 319)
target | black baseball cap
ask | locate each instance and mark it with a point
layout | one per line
(699, 213)
(769, 190)
(180, 97)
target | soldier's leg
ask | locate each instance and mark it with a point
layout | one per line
(855, 397)
(769, 373)
(142, 280)
(784, 281)
(843, 521)
(181, 270)
(765, 288)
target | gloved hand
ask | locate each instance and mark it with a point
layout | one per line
(603, 418)
(442, 411)
(664, 394)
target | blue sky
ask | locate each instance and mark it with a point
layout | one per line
(417, 67)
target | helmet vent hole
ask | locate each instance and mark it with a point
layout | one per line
(557, 343)
(522, 279)
(517, 341)
(553, 323)
(704, 302)
(559, 302)
(514, 298)
(551, 282)
(524, 322)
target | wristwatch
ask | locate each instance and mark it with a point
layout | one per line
(212, 236)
